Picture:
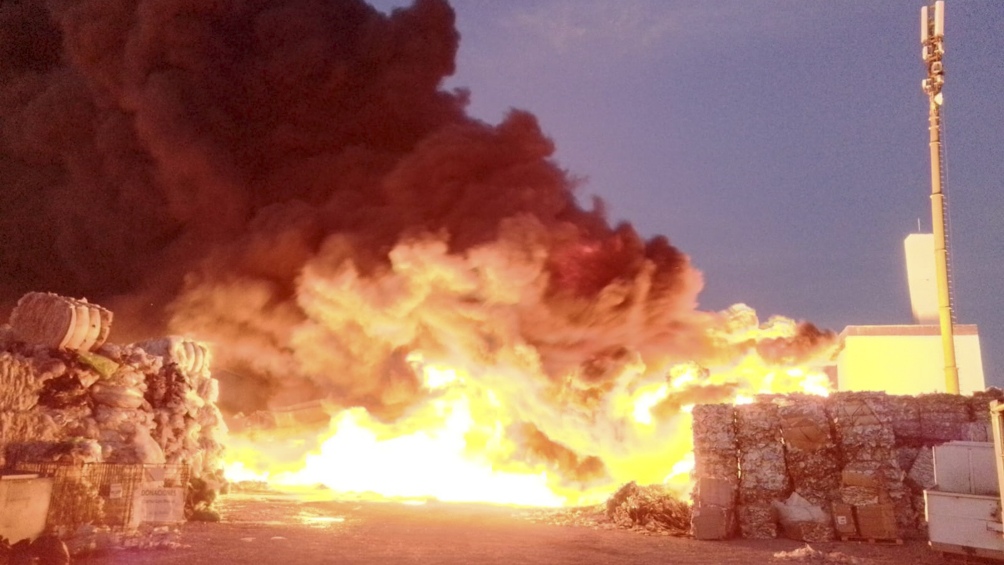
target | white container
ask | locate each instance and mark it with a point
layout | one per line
(24, 505)
(966, 467)
(958, 523)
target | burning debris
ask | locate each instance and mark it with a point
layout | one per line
(104, 418)
(853, 465)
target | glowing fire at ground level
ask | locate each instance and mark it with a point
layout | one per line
(465, 444)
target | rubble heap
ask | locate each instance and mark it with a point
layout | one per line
(651, 508)
(854, 464)
(67, 396)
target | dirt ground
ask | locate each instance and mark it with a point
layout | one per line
(265, 528)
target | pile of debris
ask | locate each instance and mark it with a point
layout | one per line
(853, 465)
(651, 508)
(68, 397)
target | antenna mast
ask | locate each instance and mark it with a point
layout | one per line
(932, 37)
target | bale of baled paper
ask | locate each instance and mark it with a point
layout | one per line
(849, 409)
(757, 520)
(757, 424)
(714, 427)
(762, 474)
(803, 520)
(811, 456)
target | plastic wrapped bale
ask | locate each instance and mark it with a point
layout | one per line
(190, 357)
(60, 322)
(758, 521)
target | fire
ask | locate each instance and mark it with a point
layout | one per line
(462, 444)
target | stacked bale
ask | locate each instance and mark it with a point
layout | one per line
(943, 417)
(184, 394)
(716, 471)
(813, 461)
(872, 478)
(763, 478)
(60, 322)
(70, 398)
(866, 456)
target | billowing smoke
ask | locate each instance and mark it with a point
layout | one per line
(289, 181)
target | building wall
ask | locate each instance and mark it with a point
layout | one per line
(920, 274)
(906, 359)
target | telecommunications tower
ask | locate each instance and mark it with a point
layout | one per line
(932, 38)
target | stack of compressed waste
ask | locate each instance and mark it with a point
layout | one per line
(762, 475)
(716, 471)
(852, 465)
(68, 397)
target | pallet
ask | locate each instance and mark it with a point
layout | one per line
(880, 541)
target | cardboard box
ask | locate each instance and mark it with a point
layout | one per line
(876, 521)
(711, 523)
(858, 479)
(802, 433)
(715, 492)
(843, 520)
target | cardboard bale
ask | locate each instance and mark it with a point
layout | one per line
(883, 474)
(763, 469)
(805, 427)
(803, 520)
(843, 520)
(866, 436)
(712, 523)
(941, 431)
(905, 419)
(757, 521)
(856, 495)
(757, 424)
(877, 521)
(847, 409)
(717, 464)
(816, 475)
(714, 492)
(906, 455)
(921, 475)
(979, 403)
(977, 431)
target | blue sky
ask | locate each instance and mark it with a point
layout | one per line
(782, 144)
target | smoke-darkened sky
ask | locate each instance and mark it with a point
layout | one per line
(781, 144)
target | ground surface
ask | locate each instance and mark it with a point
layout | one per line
(265, 528)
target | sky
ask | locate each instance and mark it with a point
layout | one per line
(782, 144)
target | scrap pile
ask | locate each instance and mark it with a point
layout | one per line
(651, 508)
(68, 397)
(852, 465)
